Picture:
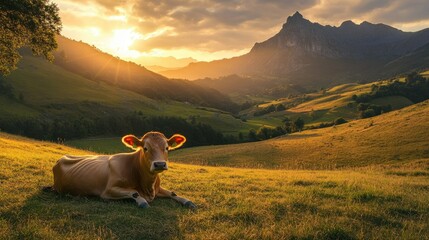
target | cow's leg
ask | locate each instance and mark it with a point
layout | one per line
(185, 202)
(122, 193)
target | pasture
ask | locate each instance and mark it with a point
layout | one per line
(376, 201)
(397, 136)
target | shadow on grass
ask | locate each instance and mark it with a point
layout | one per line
(94, 217)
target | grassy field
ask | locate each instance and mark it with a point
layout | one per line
(396, 136)
(105, 145)
(386, 201)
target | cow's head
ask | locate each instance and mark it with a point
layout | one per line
(155, 147)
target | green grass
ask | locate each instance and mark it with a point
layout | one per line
(397, 102)
(12, 109)
(105, 145)
(365, 203)
(42, 83)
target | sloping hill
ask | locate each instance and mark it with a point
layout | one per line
(238, 86)
(410, 62)
(392, 137)
(386, 202)
(89, 62)
(46, 92)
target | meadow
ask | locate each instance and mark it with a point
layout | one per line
(368, 198)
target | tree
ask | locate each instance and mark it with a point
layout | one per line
(413, 78)
(287, 125)
(252, 135)
(280, 107)
(32, 23)
(339, 121)
(298, 124)
(368, 113)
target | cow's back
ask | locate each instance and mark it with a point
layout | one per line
(81, 175)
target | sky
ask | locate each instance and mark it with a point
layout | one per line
(172, 33)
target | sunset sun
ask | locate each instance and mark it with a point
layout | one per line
(121, 42)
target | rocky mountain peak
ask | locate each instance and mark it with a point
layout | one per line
(295, 19)
(296, 15)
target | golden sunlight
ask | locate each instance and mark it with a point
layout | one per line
(122, 40)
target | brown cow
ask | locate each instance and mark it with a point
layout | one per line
(124, 175)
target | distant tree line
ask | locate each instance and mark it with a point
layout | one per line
(415, 88)
(272, 108)
(337, 121)
(289, 126)
(69, 127)
(90, 119)
(370, 110)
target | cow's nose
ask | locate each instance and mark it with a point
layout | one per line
(160, 166)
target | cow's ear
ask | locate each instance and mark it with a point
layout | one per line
(131, 141)
(176, 141)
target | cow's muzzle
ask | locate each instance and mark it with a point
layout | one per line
(159, 166)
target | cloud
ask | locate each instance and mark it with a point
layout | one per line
(227, 26)
(392, 12)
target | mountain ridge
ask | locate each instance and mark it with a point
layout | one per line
(308, 53)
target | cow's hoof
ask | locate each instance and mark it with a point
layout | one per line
(190, 205)
(144, 205)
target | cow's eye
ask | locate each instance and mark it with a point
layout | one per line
(166, 149)
(145, 149)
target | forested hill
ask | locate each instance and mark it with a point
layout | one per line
(91, 63)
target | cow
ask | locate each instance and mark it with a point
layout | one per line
(132, 175)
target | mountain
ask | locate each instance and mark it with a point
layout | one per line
(91, 63)
(157, 68)
(312, 55)
(165, 62)
(409, 62)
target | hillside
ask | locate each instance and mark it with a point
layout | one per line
(411, 61)
(315, 56)
(323, 106)
(388, 201)
(266, 118)
(44, 93)
(392, 137)
(239, 87)
(89, 62)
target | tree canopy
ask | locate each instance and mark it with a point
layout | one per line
(32, 23)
